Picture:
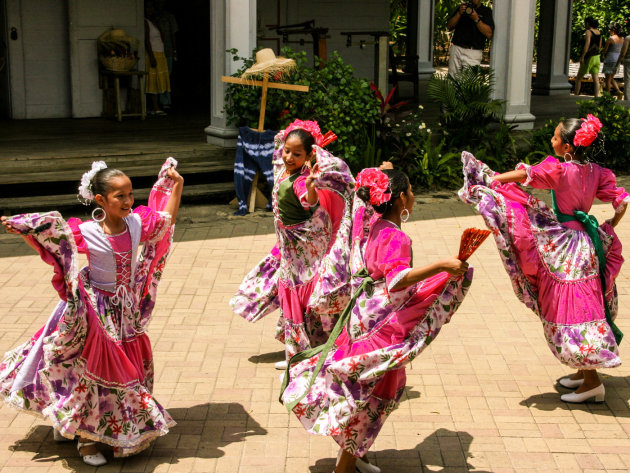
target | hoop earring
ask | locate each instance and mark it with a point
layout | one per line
(404, 215)
(570, 157)
(103, 216)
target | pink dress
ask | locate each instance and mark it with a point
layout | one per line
(363, 374)
(306, 273)
(90, 369)
(553, 266)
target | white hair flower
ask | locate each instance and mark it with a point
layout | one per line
(85, 189)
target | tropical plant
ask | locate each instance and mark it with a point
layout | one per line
(435, 168)
(467, 106)
(615, 119)
(606, 11)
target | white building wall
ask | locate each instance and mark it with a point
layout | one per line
(348, 15)
(44, 37)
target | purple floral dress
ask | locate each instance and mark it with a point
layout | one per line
(89, 370)
(363, 375)
(306, 274)
(553, 266)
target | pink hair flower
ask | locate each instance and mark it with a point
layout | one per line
(311, 127)
(588, 131)
(377, 183)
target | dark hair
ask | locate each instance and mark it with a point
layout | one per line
(100, 181)
(592, 22)
(616, 28)
(568, 128)
(398, 183)
(305, 137)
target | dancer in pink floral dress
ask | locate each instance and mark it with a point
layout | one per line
(562, 264)
(348, 387)
(89, 370)
(306, 273)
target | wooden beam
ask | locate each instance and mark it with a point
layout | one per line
(258, 83)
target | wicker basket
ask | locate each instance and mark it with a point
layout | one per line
(118, 64)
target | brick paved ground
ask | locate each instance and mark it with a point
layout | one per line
(482, 398)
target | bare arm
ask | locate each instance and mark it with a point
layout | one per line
(311, 190)
(518, 175)
(172, 206)
(452, 266)
(587, 44)
(481, 26)
(606, 46)
(623, 52)
(619, 213)
(452, 21)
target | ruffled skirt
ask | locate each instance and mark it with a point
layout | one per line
(554, 269)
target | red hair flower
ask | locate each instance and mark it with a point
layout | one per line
(588, 131)
(311, 127)
(377, 182)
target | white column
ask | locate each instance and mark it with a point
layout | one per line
(232, 25)
(426, 13)
(554, 45)
(511, 58)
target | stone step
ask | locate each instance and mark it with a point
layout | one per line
(191, 194)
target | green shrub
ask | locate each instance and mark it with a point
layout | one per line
(336, 99)
(615, 119)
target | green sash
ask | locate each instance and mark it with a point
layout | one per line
(591, 226)
(324, 349)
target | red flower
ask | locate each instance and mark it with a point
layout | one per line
(354, 365)
(601, 329)
(81, 388)
(377, 183)
(112, 421)
(144, 404)
(283, 113)
(334, 431)
(588, 131)
(117, 429)
(299, 411)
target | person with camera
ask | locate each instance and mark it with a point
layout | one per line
(472, 24)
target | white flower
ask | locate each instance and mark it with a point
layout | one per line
(85, 189)
(423, 125)
(428, 130)
(421, 107)
(407, 134)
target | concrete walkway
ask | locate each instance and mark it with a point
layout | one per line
(483, 397)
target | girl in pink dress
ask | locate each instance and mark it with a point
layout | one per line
(306, 273)
(89, 370)
(347, 388)
(562, 264)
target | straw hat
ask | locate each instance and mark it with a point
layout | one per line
(266, 61)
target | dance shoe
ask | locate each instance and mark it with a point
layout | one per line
(281, 365)
(598, 393)
(571, 383)
(96, 459)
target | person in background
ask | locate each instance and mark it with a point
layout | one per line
(611, 51)
(472, 24)
(158, 80)
(167, 25)
(590, 61)
(624, 58)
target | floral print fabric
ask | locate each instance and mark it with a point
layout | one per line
(363, 377)
(306, 275)
(90, 369)
(554, 269)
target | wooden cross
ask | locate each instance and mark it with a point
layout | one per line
(265, 84)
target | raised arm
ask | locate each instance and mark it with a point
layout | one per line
(172, 206)
(9, 228)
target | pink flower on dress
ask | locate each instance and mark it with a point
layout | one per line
(588, 131)
(378, 184)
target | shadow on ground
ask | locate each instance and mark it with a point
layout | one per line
(616, 403)
(444, 451)
(201, 432)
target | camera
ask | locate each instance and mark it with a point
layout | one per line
(470, 8)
